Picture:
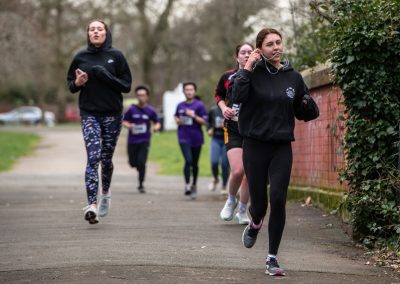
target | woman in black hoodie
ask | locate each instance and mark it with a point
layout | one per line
(101, 73)
(271, 93)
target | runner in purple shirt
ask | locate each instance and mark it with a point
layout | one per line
(138, 120)
(190, 115)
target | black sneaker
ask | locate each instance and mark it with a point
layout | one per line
(249, 236)
(273, 269)
(141, 189)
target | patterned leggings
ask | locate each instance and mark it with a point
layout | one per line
(100, 135)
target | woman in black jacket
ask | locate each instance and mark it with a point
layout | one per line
(100, 73)
(271, 93)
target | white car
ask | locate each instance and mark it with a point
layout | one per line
(27, 115)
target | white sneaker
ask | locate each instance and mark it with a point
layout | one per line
(213, 185)
(242, 218)
(105, 204)
(227, 212)
(90, 214)
(188, 189)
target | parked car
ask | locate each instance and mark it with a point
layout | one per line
(27, 115)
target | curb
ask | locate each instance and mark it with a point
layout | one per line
(330, 201)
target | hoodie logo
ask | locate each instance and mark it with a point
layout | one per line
(110, 61)
(290, 92)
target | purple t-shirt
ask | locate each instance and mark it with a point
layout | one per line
(190, 132)
(141, 117)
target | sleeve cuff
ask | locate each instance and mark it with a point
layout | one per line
(245, 73)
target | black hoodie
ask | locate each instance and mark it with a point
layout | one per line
(109, 76)
(269, 102)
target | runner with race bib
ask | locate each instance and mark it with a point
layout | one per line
(138, 120)
(215, 130)
(190, 115)
(234, 141)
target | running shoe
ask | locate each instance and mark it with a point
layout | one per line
(105, 204)
(90, 213)
(213, 185)
(141, 189)
(273, 269)
(227, 212)
(250, 233)
(193, 192)
(242, 218)
(188, 190)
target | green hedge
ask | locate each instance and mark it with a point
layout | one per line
(366, 65)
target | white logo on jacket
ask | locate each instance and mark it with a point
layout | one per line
(290, 92)
(110, 61)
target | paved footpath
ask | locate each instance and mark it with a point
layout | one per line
(158, 237)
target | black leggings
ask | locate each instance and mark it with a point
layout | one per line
(263, 161)
(138, 157)
(191, 156)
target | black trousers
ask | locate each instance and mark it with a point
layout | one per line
(138, 157)
(191, 156)
(265, 161)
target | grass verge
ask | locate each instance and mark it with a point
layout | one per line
(14, 145)
(165, 151)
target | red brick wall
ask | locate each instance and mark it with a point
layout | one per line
(317, 155)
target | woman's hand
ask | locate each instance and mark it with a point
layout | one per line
(127, 124)
(228, 113)
(178, 121)
(190, 113)
(157, 127)
(253, 58)
(81, 77)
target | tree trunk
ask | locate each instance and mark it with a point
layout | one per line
(151, 39)
(59, 62)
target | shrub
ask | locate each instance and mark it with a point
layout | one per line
(366, 65)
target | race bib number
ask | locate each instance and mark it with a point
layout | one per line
(219, 122)
(139, 129)
(236, 109)
(186, 120)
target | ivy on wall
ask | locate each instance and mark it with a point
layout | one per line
(366, 65)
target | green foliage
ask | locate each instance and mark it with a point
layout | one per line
(366, 65)
(27, 95)
(13, 146)
(311, 44)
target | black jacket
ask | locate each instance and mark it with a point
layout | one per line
(109, 76)
(222, 93)
(269, 102)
